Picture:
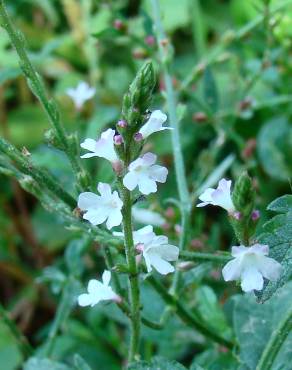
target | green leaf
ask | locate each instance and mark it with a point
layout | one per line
(35, 363)
(254, 324)
(10, 354)
(274, 148)
(80, 364)
(209, 308)
(282, 204)
(277, 234)
(155, 364)
(210, 90)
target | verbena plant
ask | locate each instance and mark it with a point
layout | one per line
(148, 284)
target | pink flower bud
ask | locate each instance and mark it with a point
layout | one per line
(118, 139)
(255, 215)
(150, 40)
(138, 137)
(119, 24)
(236, 215)
(169, 213)
(140, 247)
(122, 123)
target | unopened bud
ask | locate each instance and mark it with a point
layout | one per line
(200, 117)
(118, 139)
(138, 137)
(118, 299)
(236, 215)
(140, 247)
(122, 123)
(164, 42)
(139, 53)
(118, 167)
(255, 215)
(119, 25)
(150, 40)
(169, 212)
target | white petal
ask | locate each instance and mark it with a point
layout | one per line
(130, 181)
(114, 219)
(239, 251)
(163, 267)
(270, 268)
(104, 190)
(203, 204)
(84, 300)
(94, 286)
(149, 159)
(207, 195)
(89, 155)
(96, 216)
(154, 124)
(158, 173)
(223, 199)
(106, 277)
(88, 200)
(136, 163)
(260, 249)
(89, 144)
(251, 279)
(147, 186)
(148, 262)
(168, 252)
(225, 185)
(232, 270)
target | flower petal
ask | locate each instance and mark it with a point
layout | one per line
(158, 173)
(130, 181)
(104, 190)
(162, 266)
(167, 252)
(106, 277)
(251, 279)
(270, 268)
(114, 219)
(89, 144)
(147, 185)
(149, 159)
(94, 286)
(232, 270)
(88, 200)
(96, 216)
(260, 249)
(84, 300)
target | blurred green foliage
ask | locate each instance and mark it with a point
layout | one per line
(232, 74)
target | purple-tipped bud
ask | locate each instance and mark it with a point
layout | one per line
(255, 215)
(150, 40)
(122, 123)
(138, 137)
(118, 139)
(236, 215)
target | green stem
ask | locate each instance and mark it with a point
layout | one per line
(19, 337)
(198, 27)
(184, 195)
(134, 292)
(38, 89)
(273, 346)
(192, 319)
(196, 256)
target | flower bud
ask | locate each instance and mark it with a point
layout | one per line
(200, 117)
(255, 215)
(122, 123)
(243, 195)
(150, 40)
(138, 137)
(118, 139)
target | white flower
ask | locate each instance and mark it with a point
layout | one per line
(155, 249)
(81, 94)
(104, 147)
(144, 173)
(250, 265)
(154, 124)
(145, 216)
(99, 208)
(218, 197)
(98, 291)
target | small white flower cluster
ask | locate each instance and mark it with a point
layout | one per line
(250, 264)
(107, 207)
(80, 94)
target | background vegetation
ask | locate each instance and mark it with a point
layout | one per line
(231, 70)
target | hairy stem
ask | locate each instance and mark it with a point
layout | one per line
(36, 85)
(134, 292)
(184, 195)
(273, 346)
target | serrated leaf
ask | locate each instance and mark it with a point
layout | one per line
(278, 236)
(255, 323)
(282, 204)
(35, 363)
(155, 364)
